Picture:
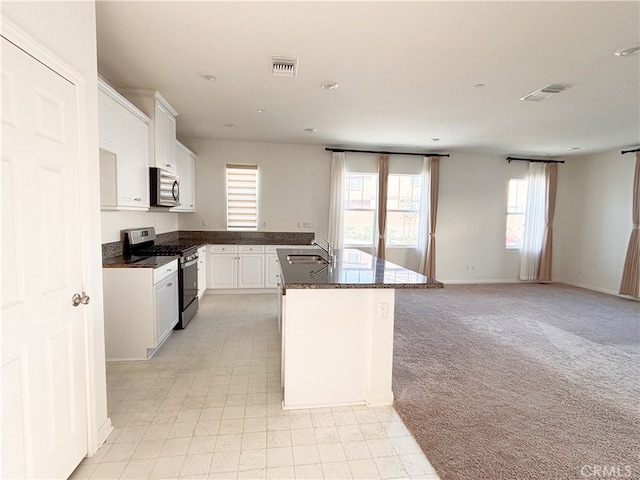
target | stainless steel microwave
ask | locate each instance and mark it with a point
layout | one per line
(165, 188)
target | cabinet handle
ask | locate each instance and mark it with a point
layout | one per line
(169, 284)
(169, 165)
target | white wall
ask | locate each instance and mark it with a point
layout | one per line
(68, 31)
(114, 221)
(293, 185)
(470, 233)
(593, 220)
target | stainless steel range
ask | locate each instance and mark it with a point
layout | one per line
(142, 242)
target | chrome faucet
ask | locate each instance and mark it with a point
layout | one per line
(328, 250)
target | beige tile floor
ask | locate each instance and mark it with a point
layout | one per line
(208, 406)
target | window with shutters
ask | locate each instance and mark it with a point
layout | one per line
(242, 197)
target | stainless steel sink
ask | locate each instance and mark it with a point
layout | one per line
(306, 258)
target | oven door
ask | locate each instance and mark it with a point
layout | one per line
(189, 282)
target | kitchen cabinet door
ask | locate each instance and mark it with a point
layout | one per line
(124, 152)
(166, 306)
(272, 271)
(162, 132)
(108, 121)
(165, 137)
(133, 164)
(251, 271)
(222, 270)
(202, 271)
(186, 169)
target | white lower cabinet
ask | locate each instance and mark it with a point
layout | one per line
(271, 270)
(202, 271)
(250, 266)
(243, 266)
(222, 266)
(166, 306)
(235, 266)
(140, 310)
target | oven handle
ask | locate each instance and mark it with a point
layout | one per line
(192, 262)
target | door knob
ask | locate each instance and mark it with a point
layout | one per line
(78, 299)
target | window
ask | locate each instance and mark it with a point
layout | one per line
(516, 208)
(360, 201)
(242, 197)
(404, 193)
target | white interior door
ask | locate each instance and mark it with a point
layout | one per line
(44, 402)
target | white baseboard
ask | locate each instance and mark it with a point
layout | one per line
(595, 289)
(103, 433)
(474, 281)
(238, 291)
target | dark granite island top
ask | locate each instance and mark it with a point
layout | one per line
(352, 268)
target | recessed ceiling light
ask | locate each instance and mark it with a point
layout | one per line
(261, 110)
(627, 51)
(479, 85)
(310, 130)
(208, 76)
(329, 85)
(230, 125)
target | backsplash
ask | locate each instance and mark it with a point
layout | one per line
(114, 249)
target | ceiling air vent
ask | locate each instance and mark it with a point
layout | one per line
(284, 66)
(544, 92)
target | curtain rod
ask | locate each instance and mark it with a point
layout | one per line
(513, 159)
(387, 153)
(629, 151)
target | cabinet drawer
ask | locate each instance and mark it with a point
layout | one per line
(164, 271)
(251, 248)
(223, 248)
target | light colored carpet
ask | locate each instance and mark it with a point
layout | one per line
(520, 381)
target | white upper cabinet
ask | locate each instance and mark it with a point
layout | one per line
(165, 136)
(162, 138)
(124, 152)
(185, 162)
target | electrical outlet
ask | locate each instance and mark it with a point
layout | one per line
(383, 310)
(205, 223)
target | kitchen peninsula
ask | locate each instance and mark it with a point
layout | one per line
(337, 322)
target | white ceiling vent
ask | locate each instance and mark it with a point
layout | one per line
(284, 66)
(544, 92)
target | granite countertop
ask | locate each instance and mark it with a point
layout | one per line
(352, 269)
(137, 261)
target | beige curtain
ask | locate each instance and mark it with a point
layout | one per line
(551, 180)
(630, 284)
(431, 180)
(383, 182)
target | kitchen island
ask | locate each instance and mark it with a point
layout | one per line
(337, 323)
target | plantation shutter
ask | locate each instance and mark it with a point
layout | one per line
(242, 197)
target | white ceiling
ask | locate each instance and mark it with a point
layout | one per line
(406, 71)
